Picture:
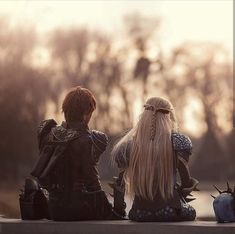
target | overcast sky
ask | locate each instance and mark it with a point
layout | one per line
(210, 20)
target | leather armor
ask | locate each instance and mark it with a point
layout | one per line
(74, 166)
(67, 167)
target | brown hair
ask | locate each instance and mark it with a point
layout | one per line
(77, 103)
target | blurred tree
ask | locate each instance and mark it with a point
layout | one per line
(140, 30)
(230, 139)
(192, 71)
(208, 79)
(24, 92)
(85, 58)
(68, 49)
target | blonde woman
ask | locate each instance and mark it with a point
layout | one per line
(151, 156)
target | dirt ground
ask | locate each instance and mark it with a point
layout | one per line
(9, 203)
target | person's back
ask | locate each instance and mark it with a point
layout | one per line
(67, 166)
(150, 156)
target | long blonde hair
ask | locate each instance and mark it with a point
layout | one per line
(150, 166)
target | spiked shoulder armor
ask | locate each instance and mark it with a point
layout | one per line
(182, 145)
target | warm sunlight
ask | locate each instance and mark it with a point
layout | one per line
(75, 75)
(108, 15)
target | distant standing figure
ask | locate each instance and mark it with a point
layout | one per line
(150, 156)
(67, 166)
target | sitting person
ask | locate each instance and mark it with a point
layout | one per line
(67, 165)
(150, 156)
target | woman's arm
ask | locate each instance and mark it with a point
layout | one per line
(183, 148)
(118, 186)
(122, 160)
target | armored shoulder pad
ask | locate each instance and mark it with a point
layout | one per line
(100, 140)
(44, 129)
(181, 144)
(46, 126)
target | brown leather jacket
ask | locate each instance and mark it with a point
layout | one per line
(69, 154)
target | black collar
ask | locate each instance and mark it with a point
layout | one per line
(77, 125)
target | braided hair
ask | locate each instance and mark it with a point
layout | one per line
(149, 171)
(154, 116)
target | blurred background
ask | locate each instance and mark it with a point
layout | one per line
(124, 52)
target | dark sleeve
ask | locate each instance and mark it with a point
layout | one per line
(99, 143)
(122, 160)
(183, 149)
(44, 129)
(122, 157)
(119, 194)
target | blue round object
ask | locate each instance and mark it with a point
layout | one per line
(224, 208)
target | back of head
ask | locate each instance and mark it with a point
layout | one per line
(151, 158)
(78, 103)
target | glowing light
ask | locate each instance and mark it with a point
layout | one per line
(181, 20)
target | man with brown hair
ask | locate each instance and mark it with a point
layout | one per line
(67, 166)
